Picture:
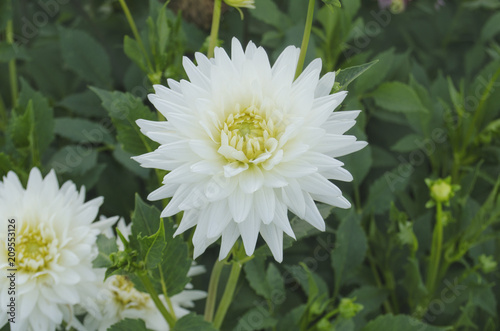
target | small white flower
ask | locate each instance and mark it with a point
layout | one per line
(119, 299)
(55, 246)
(245, 142)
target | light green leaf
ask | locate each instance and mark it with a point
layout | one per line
(398, 97)
(152, 247)
(399, 322)
(106, 246)
(378, 73)
(133, 51)
(345, 76)
(85, 56)
(407, 144)
(350, 249)
(145, 220)
(193, 322)
(413, 283)
(74, 159)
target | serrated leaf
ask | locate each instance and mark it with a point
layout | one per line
(82, 130)
(350, 248)
(124, 109)
(106, 246)
(85, 56)
(193, 322)
(152, 247)
(129, 324)
(345, 76)
(398, 97)
(145, 221)
(255, 273)
(399, 322)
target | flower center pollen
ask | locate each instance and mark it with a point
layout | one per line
(126, 295)
(36, 248)
(248, 137)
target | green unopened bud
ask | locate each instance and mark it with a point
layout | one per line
(397, 6)
(441, 190)
(324, 325)
(240, 4)
(488, 264)
(348, 308)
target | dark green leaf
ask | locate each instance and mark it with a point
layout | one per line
(193, 322)
(106, 246)
(129, 324)
(257, 318)
(268, 12)
(255, 273)
(85, 104)
(124, 109)
(399, 322)
(145, 219)
(124, 158)
(74, 159)
(350, 248)
(378, 73)
(10, 52)
(85, 56)
(398, 97)
(82, 130)
(5, 13)
(490, 28)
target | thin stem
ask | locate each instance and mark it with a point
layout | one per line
(437, 243)
(214, 32)
(151, 290)
(376, 276)
(137, 36)
(212, 290)
(305, 38)
(227, 297)
(12, 65)
(165, 294)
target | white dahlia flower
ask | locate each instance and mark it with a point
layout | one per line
(119, 299)
(55, 246)
(244, 143)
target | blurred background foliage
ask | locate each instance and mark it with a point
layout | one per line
(74, 78)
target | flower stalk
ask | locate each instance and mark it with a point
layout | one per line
(305, 38)
(227, 297)
(214, 32)
(152, 292)
(212, 290)
(437, 243)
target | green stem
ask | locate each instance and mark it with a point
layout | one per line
(305, 38)
(137, 36)
(376, 276)
(3, 115)
(12, 65)
(212, 290)
(214, 32)
(227, 297)
(437, 243)
(165, 294)
(152, 292)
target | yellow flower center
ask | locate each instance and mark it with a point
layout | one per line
(248, 136)
(125, 294)
(36, 248)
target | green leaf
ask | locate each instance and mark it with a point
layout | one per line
(249, 322)
(7, 164)
(378, 73)
(152, 247)
(399, 322)
(268, 12)
(74, 159)
(255, 273)
(133, 51)
(370, 297)
(350, 249)
(413, 282)
(275, 280)
(106, 246)
(382, 191)
(11, 52)
(124, 109)
(124, 158)
(193, 322)
(82, 130)
(85, 56)
(398, 97)
(85, 104)
(145, 220)
(43, 129)
(129, 324)
(332, 4)
(345, 76)
(490, 28)
(407, 144)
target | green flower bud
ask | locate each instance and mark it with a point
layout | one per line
(441, 190)
(348, 309)
(488, 264)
